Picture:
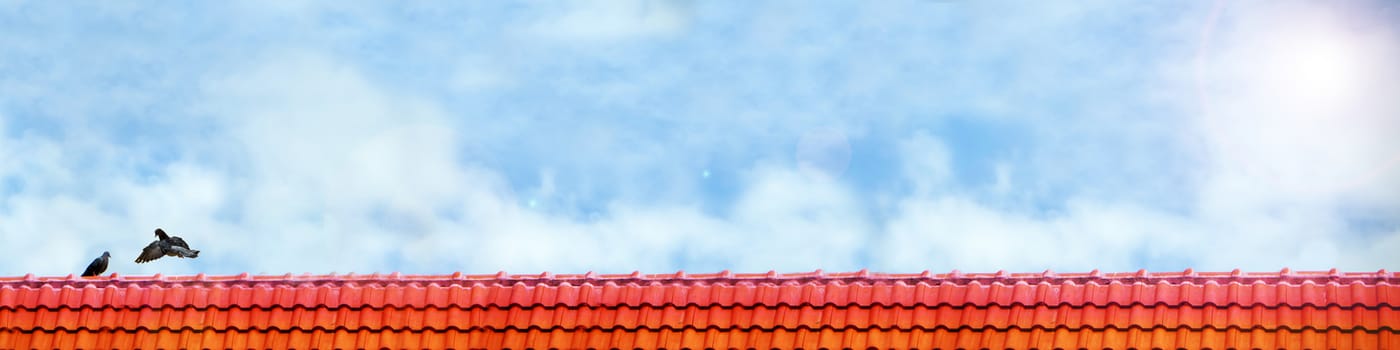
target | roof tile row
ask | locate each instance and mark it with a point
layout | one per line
(1060, 338)
(975, 293)
(946, 317)
(809, 310)
(1283, 276)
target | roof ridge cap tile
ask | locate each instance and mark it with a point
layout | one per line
(643, 292)
(645, 282)
(955, 276)
(712, 304)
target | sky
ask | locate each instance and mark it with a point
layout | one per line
(617, 136)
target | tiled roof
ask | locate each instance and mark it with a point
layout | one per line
(859, 310)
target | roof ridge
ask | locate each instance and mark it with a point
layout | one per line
(956, 276)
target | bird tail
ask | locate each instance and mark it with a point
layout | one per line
(185, 253)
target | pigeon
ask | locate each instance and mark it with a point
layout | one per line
(166, 245)
(98, 266)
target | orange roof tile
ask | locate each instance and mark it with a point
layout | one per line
(1037, 338)
(806, 310)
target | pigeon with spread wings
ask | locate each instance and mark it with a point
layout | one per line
(166, 245)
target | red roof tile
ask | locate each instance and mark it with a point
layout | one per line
(806, 310)
(426, 292)
(1059, 338)
(945, 317)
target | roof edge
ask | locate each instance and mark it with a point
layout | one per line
(1188, 276)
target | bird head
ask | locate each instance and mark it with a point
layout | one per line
(106, 254)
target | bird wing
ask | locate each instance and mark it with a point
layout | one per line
(95, 268)
(179, 242)
(161, 234)
(151, 252)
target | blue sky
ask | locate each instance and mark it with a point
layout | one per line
(897, 136)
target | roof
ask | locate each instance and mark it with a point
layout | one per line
(816, 310)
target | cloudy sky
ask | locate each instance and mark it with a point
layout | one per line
(898, 136)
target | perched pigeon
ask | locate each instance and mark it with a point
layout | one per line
(98, 266)
(166, 245)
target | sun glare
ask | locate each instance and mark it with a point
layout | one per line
(1315, 64)
(1320, 69)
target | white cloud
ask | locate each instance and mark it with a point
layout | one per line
(787, 220)
(313, 164)
(943, 230)
(341, 171)
(1299, 129)
(325, 150)
(1301, 115)
(795, 220)
(1298, 143)
(946, 231)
